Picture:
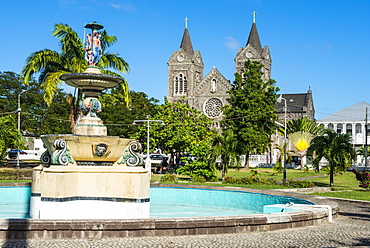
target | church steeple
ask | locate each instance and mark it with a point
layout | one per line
(186, 41)
(253, 51)
(254, 39)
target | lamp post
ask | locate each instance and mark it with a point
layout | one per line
(284, 144)
(148, 133)
(19, 123)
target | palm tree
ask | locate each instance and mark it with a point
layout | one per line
(51, 65)
(9, 135)
(336, 148)
(289, 156)
(362, 152)
(300, 132)
(226, 147)
(303, 124)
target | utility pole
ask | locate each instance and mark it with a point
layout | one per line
(366, 147)
(147, 142)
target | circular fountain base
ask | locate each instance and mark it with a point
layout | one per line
(89, 177)
(90, 192)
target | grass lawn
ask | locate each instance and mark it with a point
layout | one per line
(345, 186)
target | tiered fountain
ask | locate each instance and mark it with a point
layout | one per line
(87, 174)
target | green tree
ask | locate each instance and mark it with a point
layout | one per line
(118, 118)
(337, 149)
(184, 130)
(251, 113)
(225, 146)
(36, 117)
(9, 135)
(51, 64)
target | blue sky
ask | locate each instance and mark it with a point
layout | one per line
(322, 44)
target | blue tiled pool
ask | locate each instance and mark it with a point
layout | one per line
(168, 202)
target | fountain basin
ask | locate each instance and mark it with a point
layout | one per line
(83, 148)
(115, 228)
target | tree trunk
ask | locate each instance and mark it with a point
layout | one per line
(331, 175)
(223, 171)
(246, 165)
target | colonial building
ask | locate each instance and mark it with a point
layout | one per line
(352, 120)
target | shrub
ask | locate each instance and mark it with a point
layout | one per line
(299, 184)
(169, 178)
(249, 180)
(363, 177)
(199, 179)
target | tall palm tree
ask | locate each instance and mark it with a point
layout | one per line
(336, 148)
(300, 132)
(225, 146)
(9, 135)
(51, 64)
(362, 152)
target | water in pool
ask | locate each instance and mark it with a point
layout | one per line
(167, 202)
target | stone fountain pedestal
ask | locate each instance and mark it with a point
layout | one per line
(87, 174)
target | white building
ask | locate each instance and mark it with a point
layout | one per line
(351, 120)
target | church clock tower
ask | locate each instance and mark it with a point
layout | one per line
(253, 51)
(185, 70)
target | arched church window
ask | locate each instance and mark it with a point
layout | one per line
(213, 85)
(176, 85)
(180, 84)
(331, 126)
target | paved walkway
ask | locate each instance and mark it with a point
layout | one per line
(350, 229)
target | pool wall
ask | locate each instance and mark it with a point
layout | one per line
(79, 228)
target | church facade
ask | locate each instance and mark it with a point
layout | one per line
(208, 94)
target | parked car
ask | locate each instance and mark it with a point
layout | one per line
(13, 154)
(156, 158)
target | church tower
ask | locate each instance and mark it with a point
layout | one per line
(185, 70)
(253, 51)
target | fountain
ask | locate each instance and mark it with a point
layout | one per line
(91, 185)
(87, 174)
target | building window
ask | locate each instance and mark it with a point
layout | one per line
(212, 108)
(331, 126)
(180, 85)
(358, 128)
(339, 128)
(349, 129)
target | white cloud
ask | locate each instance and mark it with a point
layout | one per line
(231, 43)
(129, 7)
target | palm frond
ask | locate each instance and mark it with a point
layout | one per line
(112, 60)
(107, 40)
(51, 84)
(69, 41)
(39, 61)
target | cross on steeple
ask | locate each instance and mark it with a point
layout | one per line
(186, 22)
(254, 16)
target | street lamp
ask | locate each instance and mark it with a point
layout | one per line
(285, 109)
(19, 123)
(147, 143)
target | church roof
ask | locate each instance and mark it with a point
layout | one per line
(186, 43)
(254, 39)
(294, 102)
(355, 112)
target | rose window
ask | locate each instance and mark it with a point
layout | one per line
(212, 108)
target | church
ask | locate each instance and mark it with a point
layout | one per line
(186, 81)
